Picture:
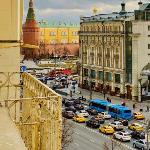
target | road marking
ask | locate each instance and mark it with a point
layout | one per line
(92, 140)
(76, 144)
(105, 136)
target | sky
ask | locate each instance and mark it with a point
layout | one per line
(71, 10)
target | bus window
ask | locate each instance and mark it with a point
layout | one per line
(127, 111)
(102, 107)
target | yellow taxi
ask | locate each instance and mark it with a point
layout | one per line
(136, 127)
(107, 129)
(138, 116)
(79, 118)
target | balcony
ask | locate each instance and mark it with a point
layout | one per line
(34, 108)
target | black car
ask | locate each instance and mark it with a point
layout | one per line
(93, 123)
(79, 106)
(68, 114)
(71, 108)
(92, 111)
(69, 103)
(124, 122)
(82, 98)
(138, 135)
(77, 101)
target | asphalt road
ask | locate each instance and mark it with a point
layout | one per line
(85, 138)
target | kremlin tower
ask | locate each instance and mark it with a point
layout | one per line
(31, 32)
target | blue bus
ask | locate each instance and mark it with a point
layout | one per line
(115, 110)
(119, 112)
(99, 105)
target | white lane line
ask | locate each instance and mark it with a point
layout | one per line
(91, 140)
(76, 144)
(105, 136)
(77, 133)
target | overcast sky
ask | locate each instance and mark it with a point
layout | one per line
(71, 10)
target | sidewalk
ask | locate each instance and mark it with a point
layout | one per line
(115, 100)
(10, 137)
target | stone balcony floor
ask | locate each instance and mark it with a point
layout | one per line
(10, 138)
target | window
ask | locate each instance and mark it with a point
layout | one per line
(127, 111)
(148, 46)
(117, 78)
(64, 33)
(52, 33)
(93, 74)
(149, 28)
(100, 75)
(74, 33)
(108, 76)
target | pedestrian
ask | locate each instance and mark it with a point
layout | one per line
(133, 105)
(110, 100)
(147, 108)
(107, 99)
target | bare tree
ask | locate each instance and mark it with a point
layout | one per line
(67, 132)
(112, 144)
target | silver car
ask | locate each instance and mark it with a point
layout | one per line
(141, 144)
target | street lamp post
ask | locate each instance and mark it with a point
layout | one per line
(140, 90)
(90, 84)
(103, 60)
(147, 133)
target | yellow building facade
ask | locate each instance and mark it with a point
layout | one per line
(51, 33)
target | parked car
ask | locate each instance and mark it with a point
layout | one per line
(138, 135)
(100, 118)
(69, 103)
(107, 129)
(83, 113)
(124, 122)
(106, 115)
(138, 116)
(117, 125)
(141, 144)
(50, 78)
(79, 106)
(82, 98)
(122, 136)
(77, 101)
(70, 108)
(68, 114)
(93, 123)
(136, 127)
(79, 118)
(92, 111)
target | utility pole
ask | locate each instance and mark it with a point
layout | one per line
(147, 134)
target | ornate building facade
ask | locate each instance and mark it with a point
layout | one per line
(58, 33)
(112, 49)
(31, 32)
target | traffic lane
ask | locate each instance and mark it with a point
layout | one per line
(86, 138)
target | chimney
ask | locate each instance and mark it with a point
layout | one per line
(123, 7)
(140, 4)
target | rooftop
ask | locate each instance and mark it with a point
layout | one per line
(46, 24)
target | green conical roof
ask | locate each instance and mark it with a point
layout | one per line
(31, 14)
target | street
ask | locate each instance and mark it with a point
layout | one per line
(92, 139)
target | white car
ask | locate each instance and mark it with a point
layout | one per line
(117, 125)
(122, 136)
(83, 113)
(105, 115)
